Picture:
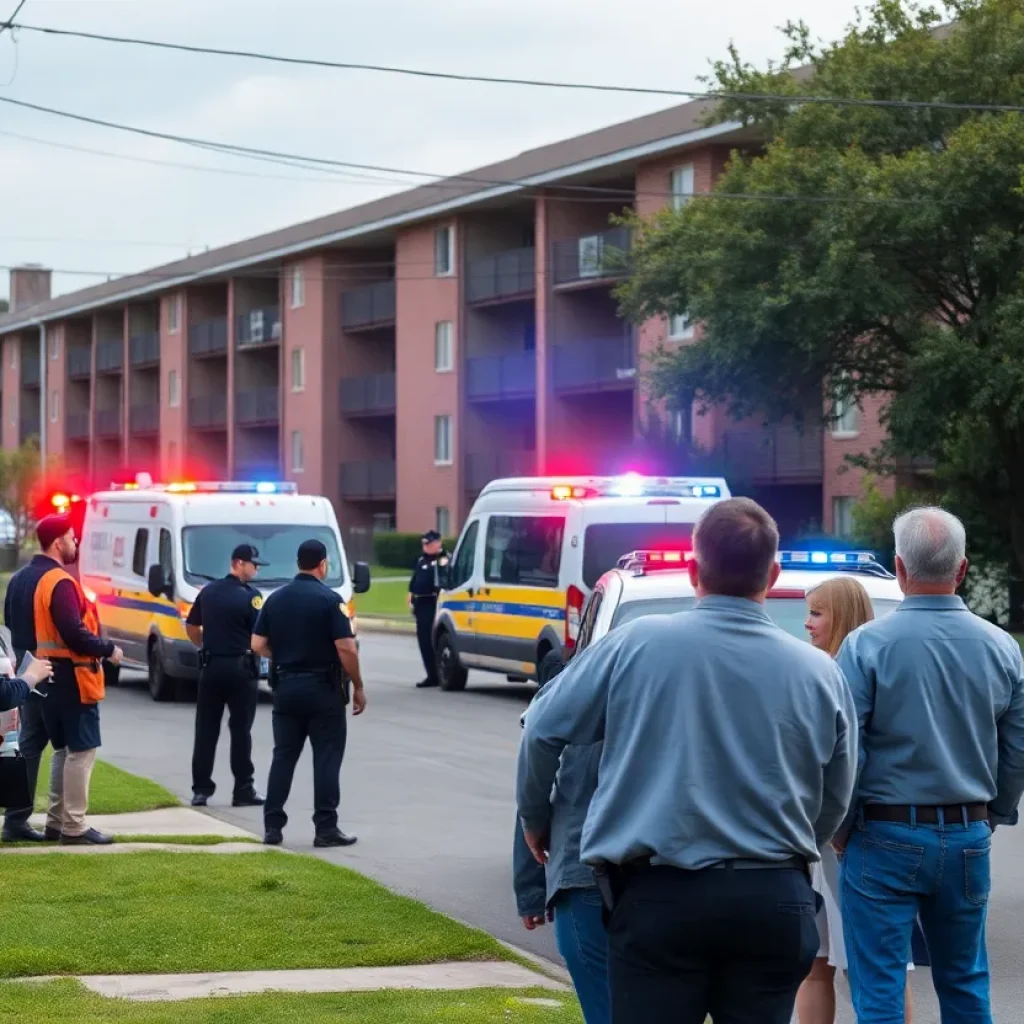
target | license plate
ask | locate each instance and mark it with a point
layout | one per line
(264, 666)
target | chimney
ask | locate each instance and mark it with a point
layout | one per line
(30, 285)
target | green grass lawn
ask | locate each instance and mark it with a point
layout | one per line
(112, 791)
(66, 1002)
(157, 912)
(386, 600)
(189, 840)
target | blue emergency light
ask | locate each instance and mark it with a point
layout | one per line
(864, 561)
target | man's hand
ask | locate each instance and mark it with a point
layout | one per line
(538, 846)
(117, 657)
(533, 921)
(358, 700)
(840, 842)
(408, 601)
(37, 672)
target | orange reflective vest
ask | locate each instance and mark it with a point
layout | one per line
(50, 644)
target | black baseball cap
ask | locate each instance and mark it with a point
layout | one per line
(430, 536)
(311, 554)
(247, 553)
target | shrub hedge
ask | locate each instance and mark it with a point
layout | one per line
(400, 550)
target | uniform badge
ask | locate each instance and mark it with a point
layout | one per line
(443, 562)
(343, 609)
(257, 602)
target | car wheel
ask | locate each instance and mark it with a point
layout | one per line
(550, 665)
(450, 673)
(161, 686)
(111, 675)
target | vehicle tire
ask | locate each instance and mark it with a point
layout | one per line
(162, 687)
(111, 675)
(450, 672)
(549, 667)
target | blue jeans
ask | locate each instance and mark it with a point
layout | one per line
(893, 873)
(583, 942)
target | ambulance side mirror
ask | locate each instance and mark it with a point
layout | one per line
(360, 577)
(157, 585)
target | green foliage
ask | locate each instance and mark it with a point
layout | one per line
(875, 512)
(400, 550)
(20, 473)
(888, 261)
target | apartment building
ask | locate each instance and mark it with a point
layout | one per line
(399, 355)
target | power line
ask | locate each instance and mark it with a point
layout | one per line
(9, 23)
(539, 83)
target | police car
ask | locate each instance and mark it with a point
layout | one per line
(657, 583)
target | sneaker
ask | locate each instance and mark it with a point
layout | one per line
(88, 838)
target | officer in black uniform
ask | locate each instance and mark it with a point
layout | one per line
(424, 587)
(221, 623)
(304, 628)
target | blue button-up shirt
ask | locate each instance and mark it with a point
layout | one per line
(940, 702)
(724, 738)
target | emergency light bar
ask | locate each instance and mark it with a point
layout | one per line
(212, 487)
(862, 561)
(649, 561)
(633, 485)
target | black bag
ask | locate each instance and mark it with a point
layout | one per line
(14, 791)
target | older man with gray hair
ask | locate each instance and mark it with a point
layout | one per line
(940, 702)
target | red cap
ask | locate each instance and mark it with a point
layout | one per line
(51, 528)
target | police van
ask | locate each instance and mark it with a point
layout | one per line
(530, 554)
(148, 549)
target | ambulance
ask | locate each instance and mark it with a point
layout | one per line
(148, 549)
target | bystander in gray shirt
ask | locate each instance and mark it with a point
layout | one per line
(723, 736)
(940, 701)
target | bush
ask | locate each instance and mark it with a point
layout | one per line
(400, 550)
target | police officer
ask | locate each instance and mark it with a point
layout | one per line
(220, 623)
(424, 587)
(304, 628)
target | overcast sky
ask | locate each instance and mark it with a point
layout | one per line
(73, 210)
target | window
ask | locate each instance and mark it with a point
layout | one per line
(678, 424)
(298, 369)
(383, 522)
(444, 251)
(682, 186)
(680, 328)
(847, 417)
(173, 314)
(465, 557)
(443, 520)
(166, 556)
(524, 549)
(298, 288)
(13, 361)
(605, 543)
(53, 343)
(443, 440)
(173, 389)
(589, 618)
(297, 452)
(54, 406)
(842, 516)
(443, 347)
(139, 566)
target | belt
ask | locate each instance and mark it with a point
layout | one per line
(734, 864)
(228, 657)
(952, 814)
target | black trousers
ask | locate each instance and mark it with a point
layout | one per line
(735, 944)
(314, 707)
(424, 608)
(224, 682)
(32, 740)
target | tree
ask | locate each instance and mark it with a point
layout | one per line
(885, 255)
(20, 476)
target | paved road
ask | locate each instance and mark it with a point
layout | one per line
(427, 787)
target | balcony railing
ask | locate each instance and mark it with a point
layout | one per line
(483, 467)
(257, 469)
(76, 426)
(208, 412)
(110, 356)
(497, 377)
(367, 480)
(779, 454)
(505, 275)
(209, 338)
(30, 371)
(595, 365)
(144, 419)
(596, 257)
(29, 426)
(370, 305)
(367, 396)
(144, 349)
(258, 327)
(108, 422)
(79, 363)
(258, 407)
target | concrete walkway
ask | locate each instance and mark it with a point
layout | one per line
(38, 849)
(169, 821)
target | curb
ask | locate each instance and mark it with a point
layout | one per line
(371, 624)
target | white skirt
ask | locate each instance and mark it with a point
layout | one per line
(825, 880)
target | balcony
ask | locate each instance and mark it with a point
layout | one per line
(369, 306)
(257, 469)
(494, 378)
(258, 407)
(368, 396)
(775, 455)
(502, 277)
(600, 364)
(209, 338)
(79, 363)
(144, 419)
(258, 328)
(484, 467)
(108, 423)
(30, 371)
(208, 412)
(76, 426)
(110, 356)
(591, 259)
(144, 349)
(367, 480)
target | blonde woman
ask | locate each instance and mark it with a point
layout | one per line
(835, 608)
